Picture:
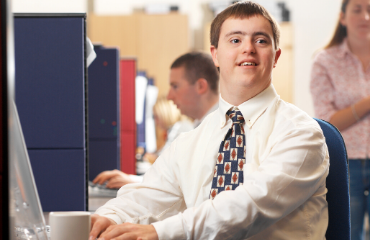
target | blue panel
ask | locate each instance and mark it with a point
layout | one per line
(49, 58)
(103, 94)
(140, 129)
(60, 179)
(103, 155)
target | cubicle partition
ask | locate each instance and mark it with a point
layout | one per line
(50, 96)
(127, 115)
(103, 96)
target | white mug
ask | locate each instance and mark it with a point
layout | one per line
(69, 225)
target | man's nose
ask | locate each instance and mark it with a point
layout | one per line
(367, 16)
(248, 47)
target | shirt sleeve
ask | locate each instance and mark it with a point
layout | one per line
(155, 199)
(292, 172)
(322, 90)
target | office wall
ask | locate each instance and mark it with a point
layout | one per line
(49, 5)
(314, 23)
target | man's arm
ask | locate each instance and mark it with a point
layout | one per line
(157, 198)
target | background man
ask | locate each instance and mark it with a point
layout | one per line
(254, 169)
(194, 90)
(194, 85)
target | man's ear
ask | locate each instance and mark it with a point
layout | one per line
(201, 86)
(214, 55)
(277, 56)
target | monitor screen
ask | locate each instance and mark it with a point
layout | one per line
(22, 216)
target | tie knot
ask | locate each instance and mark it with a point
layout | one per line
(235, 115)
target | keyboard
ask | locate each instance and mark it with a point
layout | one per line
(98, 190)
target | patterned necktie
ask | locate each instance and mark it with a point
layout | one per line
(228, 173)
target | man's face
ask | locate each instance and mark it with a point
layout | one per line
(182, 93)
(246, 54)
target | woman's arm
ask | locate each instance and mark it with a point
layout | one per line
(346, 117)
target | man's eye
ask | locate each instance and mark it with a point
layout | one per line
(261, 41)
(235, 41)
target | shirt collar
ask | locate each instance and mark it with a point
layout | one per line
(251, 109)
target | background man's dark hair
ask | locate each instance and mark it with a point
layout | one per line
(198, 65)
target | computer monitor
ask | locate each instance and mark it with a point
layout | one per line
(4, 198)
(22, 216)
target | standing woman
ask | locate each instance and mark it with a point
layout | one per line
(340, 86)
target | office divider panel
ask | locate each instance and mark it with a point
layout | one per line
(140, 133)
(50, 95)
(53, 169)
(103, 95)
(102, 156)
(127, 112)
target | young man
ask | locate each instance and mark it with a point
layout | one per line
(253, 169)
(194, 90)
(194, 85)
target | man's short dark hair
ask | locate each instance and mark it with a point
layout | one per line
(240, 10)
(198, 65)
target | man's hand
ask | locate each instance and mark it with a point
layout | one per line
(98, 225)
(115, 178)
(129, 231)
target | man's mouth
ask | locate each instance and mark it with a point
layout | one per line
(248, 64)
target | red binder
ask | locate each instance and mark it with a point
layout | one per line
(127, 115)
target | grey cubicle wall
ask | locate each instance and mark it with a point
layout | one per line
(50, 95)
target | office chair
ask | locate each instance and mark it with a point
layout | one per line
(337, 184)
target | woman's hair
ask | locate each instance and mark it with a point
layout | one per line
(167, 112)
(340, 31)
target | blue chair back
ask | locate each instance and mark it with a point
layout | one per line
(337, 184)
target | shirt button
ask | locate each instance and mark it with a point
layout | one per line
(249, 123)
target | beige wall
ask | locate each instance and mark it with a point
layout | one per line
(155, 40)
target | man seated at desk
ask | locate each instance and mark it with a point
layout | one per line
(254, 169)
(194, 90)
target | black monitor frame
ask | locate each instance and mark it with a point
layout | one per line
(4, 148)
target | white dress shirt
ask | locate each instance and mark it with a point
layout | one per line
(178, 128)
(283, 195)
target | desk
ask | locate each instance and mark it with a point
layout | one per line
(96, 202)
